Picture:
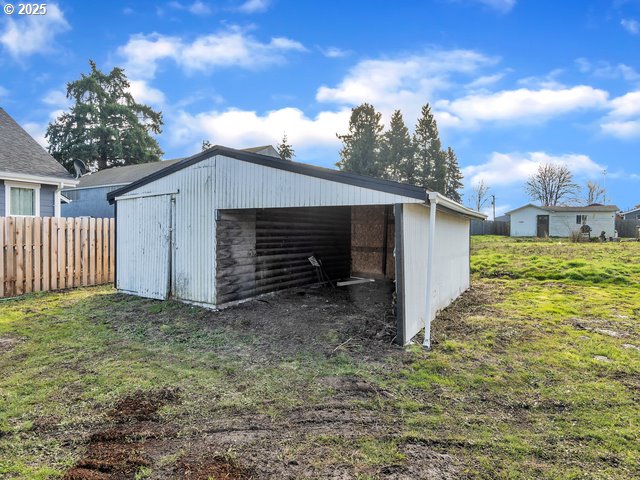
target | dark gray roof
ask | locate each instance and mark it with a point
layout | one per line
(588, 208)
(123, 175)
(276, 162)
(21, 154)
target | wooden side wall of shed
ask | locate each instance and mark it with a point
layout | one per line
(368, 241)
(265, 250)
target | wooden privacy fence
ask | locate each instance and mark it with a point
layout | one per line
(490, 227)
(42, 253)
(628, 228)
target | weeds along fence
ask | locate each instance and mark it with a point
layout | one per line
(42, 253)
(628, 228)
(490, 227)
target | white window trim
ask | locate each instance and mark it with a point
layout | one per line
(7, 197)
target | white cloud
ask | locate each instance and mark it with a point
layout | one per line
(406, 82)
(502, 6)
(625, 129)
(509, 168)
(241, 128)
(200, 8)
(144, 93)
(254, 6)
(334, 52)
(33, 34)
(485, 81)
(631, 25)
(623, 121)
(232, 47)
(197, 8)
(627, 105)
(521, 105)
(37, 131)
(604, 69)
(3, 92)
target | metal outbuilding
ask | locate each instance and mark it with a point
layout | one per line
(226, 225)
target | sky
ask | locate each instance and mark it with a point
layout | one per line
(513, 83)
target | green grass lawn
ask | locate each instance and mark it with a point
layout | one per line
(534, 373)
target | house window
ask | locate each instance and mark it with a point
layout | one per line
(22, 199)
(581, 219)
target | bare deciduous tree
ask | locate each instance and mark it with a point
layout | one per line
(595, 193)
(551, 185)
(480, 197)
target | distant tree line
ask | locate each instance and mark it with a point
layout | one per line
(398, 155)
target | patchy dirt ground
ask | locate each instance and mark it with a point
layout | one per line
(304, 441)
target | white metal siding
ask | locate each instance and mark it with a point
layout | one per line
(195, 232)
(524, 221)
(451, 258)
(225, 183)
(246, 185)
(415, 228)
(144, 246)
(561, 224)
(451, 263)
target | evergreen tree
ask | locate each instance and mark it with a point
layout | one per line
(361, 146)
(430, 161)
(285, 150)
(105, 127)
(454, 177)
(397, 155)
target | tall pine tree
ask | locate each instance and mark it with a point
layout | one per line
(285, 150)
(454, 176)
(429, 158)
(396, 155)
(361, 146)
(105, 127)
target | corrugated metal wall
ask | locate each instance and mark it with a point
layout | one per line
(225, 183)
(451, 263)
(144, 246)
(265, 250)
(264, 187)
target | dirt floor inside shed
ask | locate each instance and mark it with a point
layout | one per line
(135, 440)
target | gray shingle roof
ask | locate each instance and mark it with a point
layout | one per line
(131, 173)
(123, 175)
(21, 154)
(588, 208)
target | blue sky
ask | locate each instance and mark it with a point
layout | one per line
(513, 82)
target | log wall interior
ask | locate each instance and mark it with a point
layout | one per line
(368, 241)
(263, 250)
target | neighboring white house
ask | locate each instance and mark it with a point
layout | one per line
(633, 214)
(535, 221)
(30, 178)
(226, 225)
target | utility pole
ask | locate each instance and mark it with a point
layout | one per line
(493, 202)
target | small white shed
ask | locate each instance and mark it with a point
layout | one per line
(226, 225)
(535, 221)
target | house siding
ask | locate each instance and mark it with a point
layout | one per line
(561, 224)
(524, 221)
(3, 205)
(47, 200)
(89, 202)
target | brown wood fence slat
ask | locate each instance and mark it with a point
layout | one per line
(40, 254)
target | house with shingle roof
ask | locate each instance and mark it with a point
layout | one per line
(30, 179)
(561, 221)
(89, 198)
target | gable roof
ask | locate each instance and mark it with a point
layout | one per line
(583, 209)
(633, 210)
(20, 154)
(388, 186)
(123, 175)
